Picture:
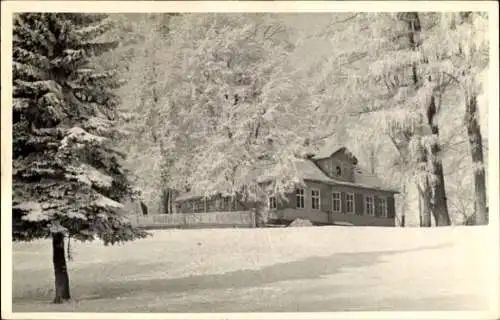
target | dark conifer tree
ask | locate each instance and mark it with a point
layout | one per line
(67, 177)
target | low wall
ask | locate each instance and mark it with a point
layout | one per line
(243, 219)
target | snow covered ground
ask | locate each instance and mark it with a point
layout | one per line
(266, 270)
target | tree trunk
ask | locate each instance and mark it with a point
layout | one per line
(167, 201)
(144, 208)
(169, 197)
(403, 209)
(173, 209)
(438, 203)
(425, 197)
(439, 206)
(425, 207)
(261, 215)
(171, 201)
(60, 269)
(164, 201)
(261, 211)
(424, 189)
(476, 149)
(424, 192)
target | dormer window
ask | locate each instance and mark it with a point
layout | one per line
(335, 169)
(338, 171)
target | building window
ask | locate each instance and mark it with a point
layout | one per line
(349, 202)
(336, 204)
(210, 205)
(382, 207)
(315, 199)
(300, 198)
(272, 203)
(369, 208)
(338, 171)
(199, 206)
(229, 204)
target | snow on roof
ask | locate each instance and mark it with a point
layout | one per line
(308, 170)
(367, 180)
(330, 149)
(327, 150)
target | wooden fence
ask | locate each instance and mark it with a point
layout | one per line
(241, 219)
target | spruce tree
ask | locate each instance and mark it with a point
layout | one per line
(67, 177)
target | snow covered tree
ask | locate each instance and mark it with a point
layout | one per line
(367, 80)
(400, 92)
(231, 108)
(67, 177)
(370, 115)
(424, 60)
(145, 84)
(464, 47)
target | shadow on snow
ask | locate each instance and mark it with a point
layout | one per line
(309, 268)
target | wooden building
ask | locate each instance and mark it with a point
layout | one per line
(335, 191)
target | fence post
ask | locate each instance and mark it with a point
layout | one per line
(252, 216)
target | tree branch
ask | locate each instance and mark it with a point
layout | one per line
(453, 78)
(326, 32)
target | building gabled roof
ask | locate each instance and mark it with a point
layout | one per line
(308, 170)
(330, 149)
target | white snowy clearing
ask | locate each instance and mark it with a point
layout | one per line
(266, 270)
